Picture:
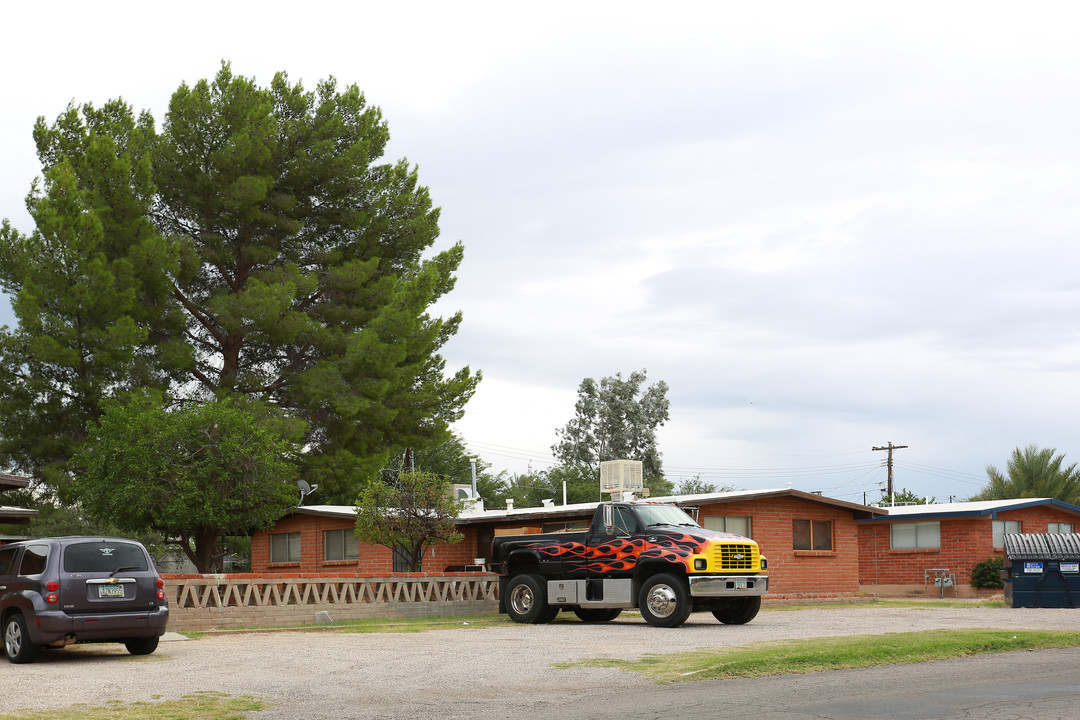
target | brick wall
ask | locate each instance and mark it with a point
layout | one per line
(965, 542)
(799, 571)
(372, 558)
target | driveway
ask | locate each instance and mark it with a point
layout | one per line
(507, 671)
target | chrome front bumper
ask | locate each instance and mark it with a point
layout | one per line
(729, 585)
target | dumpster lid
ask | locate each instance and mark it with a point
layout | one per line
(1049, 546)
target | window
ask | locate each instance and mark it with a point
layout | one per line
(625, 522)
(1054, 528)
(7, 559)
(340, 545)
(906, 536)
(1001, 527)
(33, 560)
(812, 534)
(103, 557)
(285, 547)
(402, 559)
(734, 524)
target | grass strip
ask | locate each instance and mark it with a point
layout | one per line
(832, 653)
(202, 705)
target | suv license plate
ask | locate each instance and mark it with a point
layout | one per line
(107, 591)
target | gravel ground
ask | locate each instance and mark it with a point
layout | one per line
(497, 672)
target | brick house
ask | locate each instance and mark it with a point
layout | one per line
(14, 515)
(811, 540)
(898, 551)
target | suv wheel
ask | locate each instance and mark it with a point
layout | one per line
(141, 646)
(17, 645)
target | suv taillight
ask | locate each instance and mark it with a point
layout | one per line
(160, 586)
(52, 586)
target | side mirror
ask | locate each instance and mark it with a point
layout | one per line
(609, 519)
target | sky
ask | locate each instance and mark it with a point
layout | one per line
(826, 226)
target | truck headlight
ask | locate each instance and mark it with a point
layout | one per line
(764, 564)
(700, 563)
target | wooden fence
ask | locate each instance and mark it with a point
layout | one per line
(208, 602)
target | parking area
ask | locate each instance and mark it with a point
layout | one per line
(504, 671)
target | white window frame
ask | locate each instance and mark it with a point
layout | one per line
(922, 536)
(1059, 528)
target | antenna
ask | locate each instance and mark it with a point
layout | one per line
(305, 490)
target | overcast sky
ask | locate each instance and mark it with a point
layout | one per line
(827, 226)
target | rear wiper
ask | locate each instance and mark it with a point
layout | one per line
(123, 569)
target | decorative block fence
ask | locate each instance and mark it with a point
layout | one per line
(213, 602)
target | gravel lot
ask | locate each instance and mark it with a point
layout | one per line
(495, 672)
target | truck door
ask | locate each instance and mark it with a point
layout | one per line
(615, 554)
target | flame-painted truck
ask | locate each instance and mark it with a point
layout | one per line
(646, 555)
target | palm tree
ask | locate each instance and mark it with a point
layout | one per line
(1033, 473)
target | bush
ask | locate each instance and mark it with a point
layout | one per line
(987, 574)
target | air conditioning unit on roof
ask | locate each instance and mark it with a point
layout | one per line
(618, 476)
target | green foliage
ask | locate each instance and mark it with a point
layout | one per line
(987, 574)
(531, 489)
(257, 246)
(905, 497)
(616, 420)
(1033, 473)
(192, 473)
(414, 511)
(697, 486)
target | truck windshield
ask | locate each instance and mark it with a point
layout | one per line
(654, 515)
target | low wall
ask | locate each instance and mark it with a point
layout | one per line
(214, 602)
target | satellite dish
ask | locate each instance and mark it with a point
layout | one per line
(305, 490)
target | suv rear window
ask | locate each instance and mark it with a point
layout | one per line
(103, 557)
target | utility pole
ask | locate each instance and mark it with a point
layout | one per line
(890, 447)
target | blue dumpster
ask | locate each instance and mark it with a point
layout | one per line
(1042, 570)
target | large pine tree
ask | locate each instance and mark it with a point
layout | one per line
(255, 246)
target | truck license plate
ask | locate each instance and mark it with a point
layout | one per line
(105, 591)
(740, 584)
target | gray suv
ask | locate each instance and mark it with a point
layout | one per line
(59, 591)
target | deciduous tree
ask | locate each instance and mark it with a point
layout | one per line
(191, 473)
(407, 514)
(616, 419)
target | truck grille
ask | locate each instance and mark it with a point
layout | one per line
(736, 557)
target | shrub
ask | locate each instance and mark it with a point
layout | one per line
(987, 574)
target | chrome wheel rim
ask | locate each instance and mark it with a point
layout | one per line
(662, 601)
(13, 639)
(521, 599)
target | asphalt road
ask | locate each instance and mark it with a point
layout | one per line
(506, 672)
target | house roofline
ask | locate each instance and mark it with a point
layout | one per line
(955, 509)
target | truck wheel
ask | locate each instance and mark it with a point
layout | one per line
(526, 601)
(597, 615)
(17, 645)
(738, 611)
(664, 601)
